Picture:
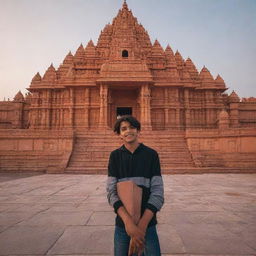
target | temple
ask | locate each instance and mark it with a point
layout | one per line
(69, 111)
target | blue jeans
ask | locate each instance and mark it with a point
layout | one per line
(122, 241)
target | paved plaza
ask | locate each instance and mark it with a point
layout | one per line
(205, 214)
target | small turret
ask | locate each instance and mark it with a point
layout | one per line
(36, 79)
(205, 75)
(64, 67)
(90, 50)
(206, 78)
(191, 68)
(223, 120)
(157, 49)
(179, 60)
(219, 82)
(80, 54)
(233, 97)
(19, 97)
(50, 74)
(170, 59)
(168, 51)
(69, 58)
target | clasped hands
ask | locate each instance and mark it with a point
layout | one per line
(137, 234)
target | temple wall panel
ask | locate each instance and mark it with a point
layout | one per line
(66, 116)
(79, 96)
(78, 117)
(180, 95)
(5, 116)
(157, 96)
(247, 118)
(172, 117)
(54, 116)
(158, 119)
(172, 94)
(94, 95)
(11, 114)
(94, 114)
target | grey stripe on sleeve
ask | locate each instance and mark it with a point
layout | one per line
(157, 192)
(112, 191)
(139, 181)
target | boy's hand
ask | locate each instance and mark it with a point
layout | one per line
(142, 226)
(134, 249)
(135, 233)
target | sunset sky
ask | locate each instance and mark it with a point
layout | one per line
(220, 34)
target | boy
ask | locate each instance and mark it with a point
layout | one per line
(140, 164)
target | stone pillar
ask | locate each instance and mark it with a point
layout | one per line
(58, 117)
(103, 119)
(166, 118)
(48, 109)
(234, 114)
(18, 115)
(166, 109)
(234, 101)
(71, 107)
(145, 108)
(209, 110)
(177, 117)
(223, 120)
(86, 108)
(177, 110)
(187, 108)
(61, 109)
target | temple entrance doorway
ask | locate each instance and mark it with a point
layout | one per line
(123, 102)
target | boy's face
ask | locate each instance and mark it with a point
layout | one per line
(128, 133)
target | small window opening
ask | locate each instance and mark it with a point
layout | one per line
(123, 111)
(125, 54)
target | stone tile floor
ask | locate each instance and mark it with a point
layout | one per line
(205, 214)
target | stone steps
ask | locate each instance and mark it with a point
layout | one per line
(91, 150)
(103, 156)
(104, 164)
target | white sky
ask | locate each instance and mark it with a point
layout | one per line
(220, 34)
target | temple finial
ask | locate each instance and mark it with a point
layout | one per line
(125, 4)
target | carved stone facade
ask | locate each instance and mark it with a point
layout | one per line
(124, 73)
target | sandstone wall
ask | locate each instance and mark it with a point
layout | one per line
(11, 114)
(247, 113)
(35, 150)
(235, 148)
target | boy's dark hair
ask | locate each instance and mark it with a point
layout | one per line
(127, 118)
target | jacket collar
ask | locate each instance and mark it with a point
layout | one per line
(138, 149)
